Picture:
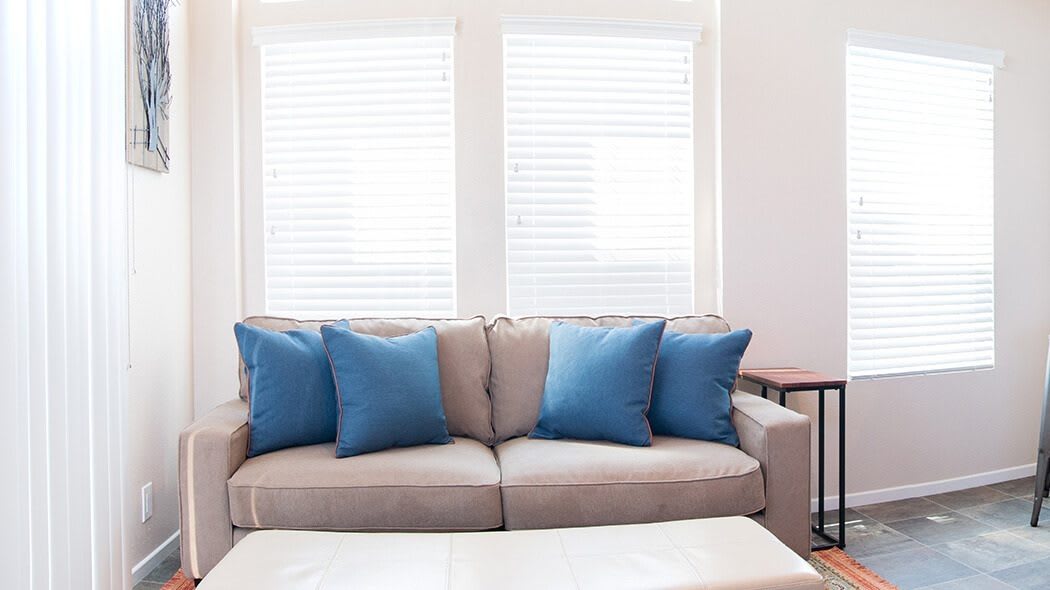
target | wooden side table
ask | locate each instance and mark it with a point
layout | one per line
(789, 380)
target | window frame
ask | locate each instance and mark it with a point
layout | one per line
(255, 269)
(581, 27)
(924, 48)
(480, 225)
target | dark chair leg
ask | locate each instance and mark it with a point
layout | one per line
(1041, 485)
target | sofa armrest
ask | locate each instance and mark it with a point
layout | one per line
(779, 439)
(210, 451)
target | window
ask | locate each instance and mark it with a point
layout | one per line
(920, 188)
(358, 185)
(599, 166)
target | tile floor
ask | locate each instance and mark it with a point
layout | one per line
(160, 574)
(975, 539)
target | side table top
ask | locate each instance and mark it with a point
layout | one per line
(791, 378)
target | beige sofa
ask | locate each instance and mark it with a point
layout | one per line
(493, 476)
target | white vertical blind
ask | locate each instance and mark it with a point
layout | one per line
(599, 167)
(63, 293)
(358, 165)
(920, 189)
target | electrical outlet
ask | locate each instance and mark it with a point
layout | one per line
(147, 501)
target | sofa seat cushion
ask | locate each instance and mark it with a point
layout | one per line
(432, 487)
(569, 483)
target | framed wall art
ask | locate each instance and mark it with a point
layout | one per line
(148, 84)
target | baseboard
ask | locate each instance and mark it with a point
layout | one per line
(147, 565)
(927, 488)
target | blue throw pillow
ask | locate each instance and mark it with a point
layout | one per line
(694, 376)
(389, 390)
(599, 383)
(291, 395)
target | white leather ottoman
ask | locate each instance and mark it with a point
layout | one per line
(715, 553)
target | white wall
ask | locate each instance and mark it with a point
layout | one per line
(784, 206)
(160, 394)
(216, 199)
(780, 94)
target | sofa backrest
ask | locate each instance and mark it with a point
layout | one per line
(463, 360)
(492, 376)
(519, 348)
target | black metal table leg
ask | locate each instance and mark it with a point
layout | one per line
(842, 468)
(820, 461)
(820, 528)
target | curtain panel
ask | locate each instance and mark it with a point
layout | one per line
(63, 292)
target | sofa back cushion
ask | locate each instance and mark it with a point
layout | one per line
(463, 361)
(520, 347)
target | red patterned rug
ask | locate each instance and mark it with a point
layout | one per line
(179, 582)
(840, 571)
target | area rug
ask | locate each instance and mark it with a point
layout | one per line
(179, 582)
(840, 571)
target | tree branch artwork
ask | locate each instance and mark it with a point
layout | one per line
(150, 43)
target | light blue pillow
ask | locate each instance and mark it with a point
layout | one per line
(389, 390)
(599, 383)
(694, 376)
(291, 394)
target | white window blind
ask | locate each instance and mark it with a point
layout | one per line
(920, 189)
(599, 166)
(358, 166)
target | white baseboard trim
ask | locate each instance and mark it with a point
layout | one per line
(927, 488)
(147, 565)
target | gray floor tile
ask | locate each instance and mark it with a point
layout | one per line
(146, 585)
(969, 498)
(831, 518)
(831, 524)
(866, 537)
(940, 528)
(1003, 515)
(1039, 534)
(901, 509)
(915, 568)
(981, 582)
(167, 568)
(994, 551)
(1020, 488)
(1030, 576)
